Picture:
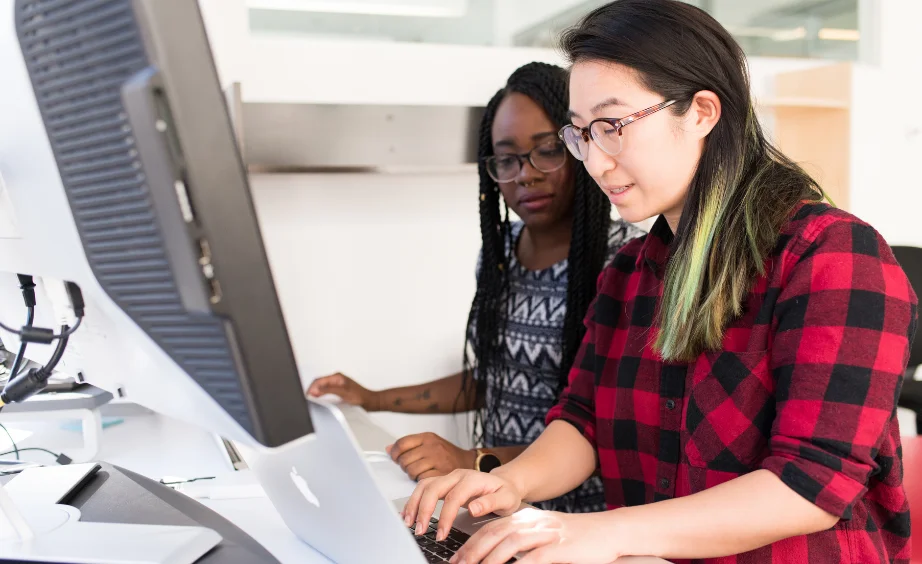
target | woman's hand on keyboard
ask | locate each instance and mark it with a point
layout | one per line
(546, 536)
(485, 493)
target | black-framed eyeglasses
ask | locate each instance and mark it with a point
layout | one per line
(546, 157)
(604, 132)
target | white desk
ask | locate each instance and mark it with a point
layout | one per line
(156, 446)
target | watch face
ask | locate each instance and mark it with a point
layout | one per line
(489, 462)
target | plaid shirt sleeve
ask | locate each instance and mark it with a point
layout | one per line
(843, 326)
(577, 402)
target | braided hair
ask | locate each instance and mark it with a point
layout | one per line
(547, 86)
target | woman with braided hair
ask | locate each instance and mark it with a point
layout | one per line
(535, 280)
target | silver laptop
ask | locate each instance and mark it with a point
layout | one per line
(326, 492)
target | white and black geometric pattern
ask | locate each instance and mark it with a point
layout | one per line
(536, 308)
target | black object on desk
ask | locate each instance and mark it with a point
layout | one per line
(116, 495)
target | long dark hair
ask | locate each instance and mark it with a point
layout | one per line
(744, 189)
(547, 86)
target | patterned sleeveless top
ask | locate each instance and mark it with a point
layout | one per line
(536, 308)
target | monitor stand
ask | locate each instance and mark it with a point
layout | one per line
(45, 532)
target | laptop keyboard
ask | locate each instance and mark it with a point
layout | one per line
(435, 551)
(439, 551)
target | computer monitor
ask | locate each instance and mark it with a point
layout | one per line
(119, 171)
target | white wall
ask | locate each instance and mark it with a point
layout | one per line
(318, 70)
(887, 133)
(375, 274)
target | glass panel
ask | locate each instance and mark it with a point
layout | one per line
(792, 28)
(826, 29)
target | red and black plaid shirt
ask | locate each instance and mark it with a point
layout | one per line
(805, 387)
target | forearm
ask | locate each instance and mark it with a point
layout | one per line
(440, 396)
(743, 514)
(559, 461)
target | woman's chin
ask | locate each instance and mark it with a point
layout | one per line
(633, 214)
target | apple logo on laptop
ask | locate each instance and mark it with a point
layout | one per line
(302, 487)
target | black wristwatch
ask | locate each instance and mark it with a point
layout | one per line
(486, 461)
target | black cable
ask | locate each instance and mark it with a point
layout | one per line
(12, 442)
(25, 385)
(51, 337)
(27, 285)
(58, 350)
(21, 355)
(22, 386)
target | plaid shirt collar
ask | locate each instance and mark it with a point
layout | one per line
(657, 247)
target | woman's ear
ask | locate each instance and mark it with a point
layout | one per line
(703, 114)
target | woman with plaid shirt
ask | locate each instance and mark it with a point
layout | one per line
(736, 387)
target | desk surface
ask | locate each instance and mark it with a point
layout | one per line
(184, 451)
